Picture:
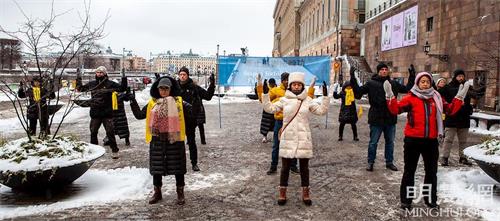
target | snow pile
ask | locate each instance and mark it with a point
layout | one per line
(101, 187)
(471, 188)
(23, 155)
(488, 151)
(494, 130)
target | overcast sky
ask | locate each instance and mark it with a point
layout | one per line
(145, 26)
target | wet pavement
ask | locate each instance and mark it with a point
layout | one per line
(341, 188)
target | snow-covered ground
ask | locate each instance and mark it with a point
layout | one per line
(99, 187)
(481, 129)
(469, 187)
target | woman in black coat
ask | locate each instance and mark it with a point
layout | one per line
(120, 122)
(165, 133)
(348, 113)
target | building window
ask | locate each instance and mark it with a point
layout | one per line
(335, 47)
(327, 50)
(427, 68)
(371, 13)
(384, 6)
(361, 18)
(375, 11)
(323, 14)
(430, 22)
(379, 8)
(329, 8)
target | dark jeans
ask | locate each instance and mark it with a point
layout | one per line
(354, 130)
(276, 146)
(95, 124)
(191, 141)
(375, 133)
(179, 180)
(285, 171)
(413, 148)
(201, 127)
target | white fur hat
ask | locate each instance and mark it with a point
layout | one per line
(296, 77)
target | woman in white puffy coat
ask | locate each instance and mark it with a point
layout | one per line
(295, 140)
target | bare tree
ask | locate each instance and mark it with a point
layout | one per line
(42, 42)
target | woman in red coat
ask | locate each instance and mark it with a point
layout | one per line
(424, 127)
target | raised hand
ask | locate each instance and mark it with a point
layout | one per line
(462, 90)
(265, 88)
(352, 72)
(388, 90)
(259, 80)
(313, 82)
(325, 90)
(212, 79)
(412, 71)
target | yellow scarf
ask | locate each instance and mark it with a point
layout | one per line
(349, 97)
(114, 100)
(178, 103)
(36, 94)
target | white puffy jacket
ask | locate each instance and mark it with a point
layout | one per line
(296, 141)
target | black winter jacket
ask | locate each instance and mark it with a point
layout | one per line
(379, 114)
(462, 118)
(101, 92)
(193, 94)
(32, 109)
(347, 114)
(164, 158)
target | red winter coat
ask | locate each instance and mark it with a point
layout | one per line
(421, 123)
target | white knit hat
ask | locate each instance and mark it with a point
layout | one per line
(296, 77)
(102, 69)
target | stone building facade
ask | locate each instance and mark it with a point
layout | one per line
(458, 34)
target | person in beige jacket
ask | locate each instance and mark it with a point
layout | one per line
(295, 139)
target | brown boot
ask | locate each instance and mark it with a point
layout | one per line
(282, 197)
(180, 195)
(156, 195)
(305, 196)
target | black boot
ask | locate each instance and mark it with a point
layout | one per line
(127, 142)
(272, 170)
(444, 161)
(156, 195)
(391, 167)
(195, 167)
(369, 167)
(464, 161)
(180, 195)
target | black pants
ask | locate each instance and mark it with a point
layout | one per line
(179, 180)
(44, 122)
(286, 163)
(201, 127)
(191, 140)
(95, 124)
(413, 148)
(354, 130)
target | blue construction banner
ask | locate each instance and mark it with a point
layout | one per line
(242, 71)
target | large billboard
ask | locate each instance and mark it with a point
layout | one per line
(242, 71)
(400, 30)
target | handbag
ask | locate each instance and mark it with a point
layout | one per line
(284, 127)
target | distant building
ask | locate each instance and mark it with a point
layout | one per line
(10, 53)
(170, 63)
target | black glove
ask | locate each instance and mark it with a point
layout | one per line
(131, 96)
(21, 83)
(212, 79)
(325, 90)
(412, 71)
(265, 88)
(351, 72)
(157, 76)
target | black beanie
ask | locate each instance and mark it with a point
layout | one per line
(284, 76)
(458, 72)
(380, 66)
(272, 81)
(185, 69)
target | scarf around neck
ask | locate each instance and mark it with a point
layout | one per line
(427, 94)
(165, 119)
